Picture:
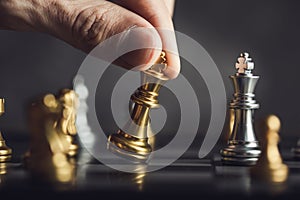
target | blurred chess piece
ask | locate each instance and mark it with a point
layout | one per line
(5, 151)
(270, 166)
(66, 124)
(5, 156)
(296, 150)
(131, 141)
(242, 146)
(52, 128)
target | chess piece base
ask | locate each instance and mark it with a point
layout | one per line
(241, 153)
(129, 146)
(130, 156)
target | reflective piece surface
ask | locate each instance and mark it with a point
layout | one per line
(242, 146)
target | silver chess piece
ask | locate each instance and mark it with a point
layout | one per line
(242, 146)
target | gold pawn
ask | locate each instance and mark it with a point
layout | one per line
(5, 151)
(134, 143)
(270, 166)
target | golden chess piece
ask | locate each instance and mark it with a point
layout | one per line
(69, 101)
(270, 166)
(5, 151)
(132, 140)
(64, 106)
(52, 126)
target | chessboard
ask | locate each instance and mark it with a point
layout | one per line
(188, 177)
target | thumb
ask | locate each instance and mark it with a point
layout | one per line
(157, 13)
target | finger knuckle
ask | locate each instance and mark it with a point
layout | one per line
(59, 10)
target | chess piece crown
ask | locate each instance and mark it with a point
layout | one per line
(244, 64)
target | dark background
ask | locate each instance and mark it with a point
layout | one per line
(33, 64)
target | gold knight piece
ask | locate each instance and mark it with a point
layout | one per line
(52, 128)
(132, 140)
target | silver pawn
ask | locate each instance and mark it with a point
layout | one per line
(243, 147)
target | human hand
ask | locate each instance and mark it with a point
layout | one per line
(86, 23)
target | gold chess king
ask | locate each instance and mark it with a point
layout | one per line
(131, 141)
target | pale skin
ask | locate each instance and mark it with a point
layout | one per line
(84, 24)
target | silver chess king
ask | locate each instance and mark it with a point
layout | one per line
(242, 147)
